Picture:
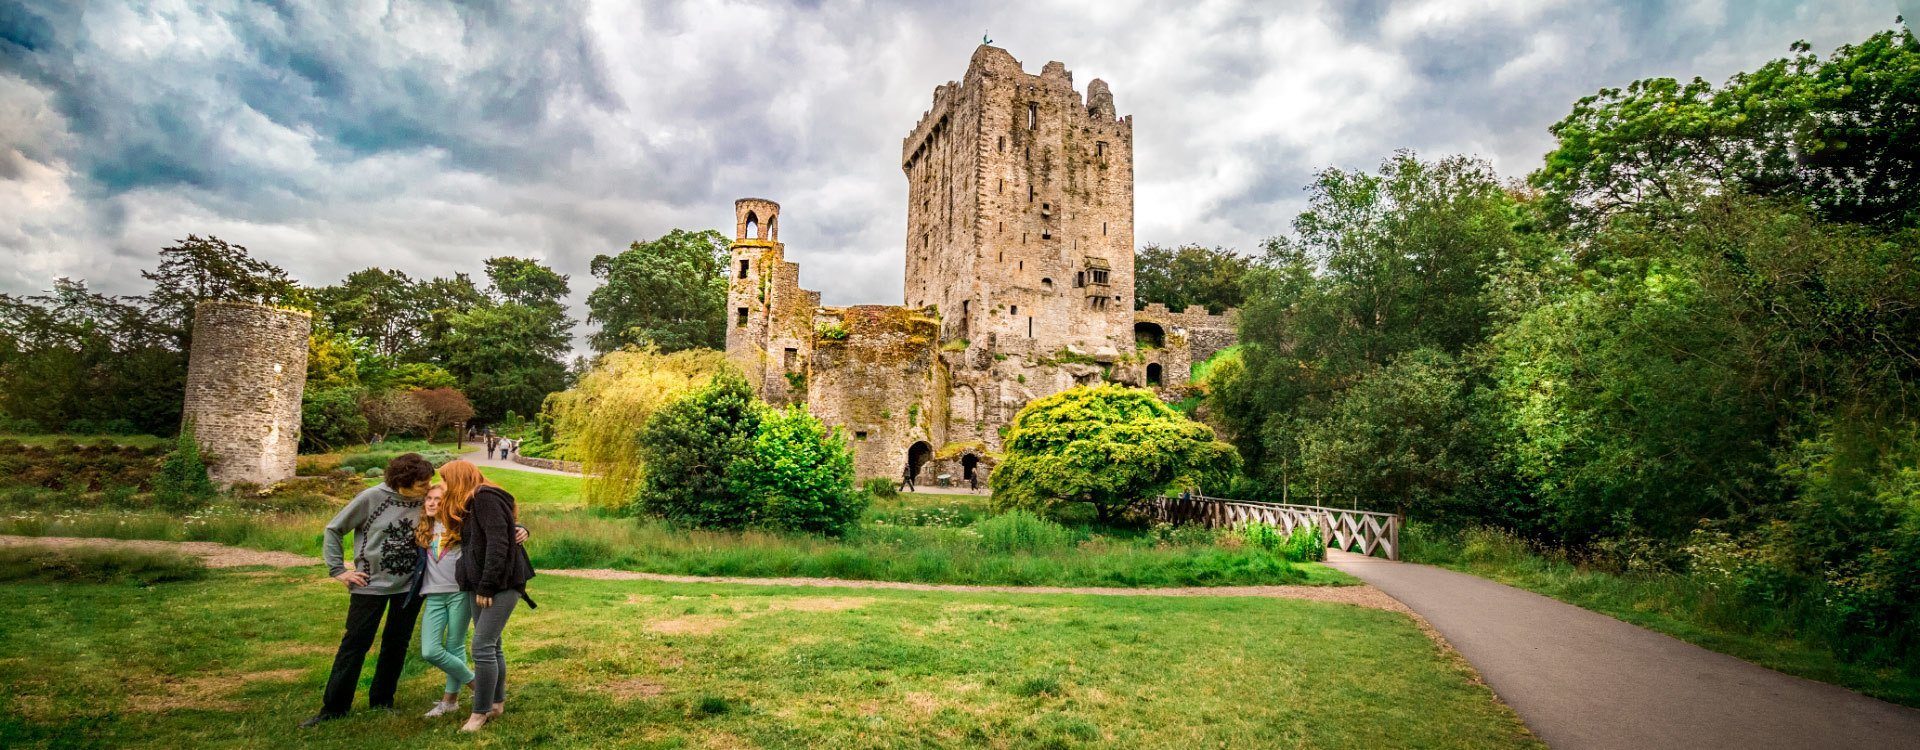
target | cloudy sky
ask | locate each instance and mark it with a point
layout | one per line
(424, 135)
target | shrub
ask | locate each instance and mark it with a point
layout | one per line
(1021, 531)
(688, 445)
(797, 476)
(1305, 545)
(1109, 446)
(183, 483)
(96, 565)
(594, 422)
(331, 417)
(881, 488)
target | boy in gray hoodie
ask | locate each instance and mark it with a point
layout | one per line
(385, 563)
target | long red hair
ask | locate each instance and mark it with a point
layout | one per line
(461, 479)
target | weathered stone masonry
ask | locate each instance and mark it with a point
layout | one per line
(1019, 281)
(245, 374)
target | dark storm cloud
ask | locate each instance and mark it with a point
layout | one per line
(427, 135)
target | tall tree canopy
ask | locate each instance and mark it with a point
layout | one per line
(197, 269)
(1841, 134)
(669, 293)
(509, 349)
(1189, 275)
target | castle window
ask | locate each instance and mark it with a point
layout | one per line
(1014, 311)
(743, 268)
(1003, 144)
(1099, 276)
(1029, 193)
(788, 357)
(1079, 279)
(1003, 184)
(740, 317)
(1153, 374)
(1046, 234)
(1046, 284)
(1100, 149)
(1033, 115)
(860, 436)
(1103, 229)
(1029, 327)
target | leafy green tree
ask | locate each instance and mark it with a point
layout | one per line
(1836, 133)
(1189, 275)
(377, 305)
(1106, 445)
(798, 476)
(1379, 265)
(669, 293)
(507, 352)
(331, 418)
(197, 269)
(76, 358)
(1401, 438)
(595, 421)
(687, 447)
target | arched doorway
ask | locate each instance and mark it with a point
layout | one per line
(917, 457)
(967, 463)
(1149, 336)
(1153, 374)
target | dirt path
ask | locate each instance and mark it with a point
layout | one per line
(478, 457)
(215, 555)
(1582, 679)
(224, 556)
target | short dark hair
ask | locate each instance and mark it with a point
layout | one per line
(407, 470)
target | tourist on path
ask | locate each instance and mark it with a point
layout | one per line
(492, 443)
(446, 611)
(907, 476)
(385, 564)
(494, 568)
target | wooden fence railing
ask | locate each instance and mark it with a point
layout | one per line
(1360, 531)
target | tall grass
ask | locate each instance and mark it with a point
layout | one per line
(87, 565)
(993, 551)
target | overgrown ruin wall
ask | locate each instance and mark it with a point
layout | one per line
(245, 374)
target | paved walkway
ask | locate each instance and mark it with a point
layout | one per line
(1581, 679)
(479, 458)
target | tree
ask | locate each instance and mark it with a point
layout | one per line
(797, 476)
(331, 418)
(1107, 445)
(1399, 439)
(669, 293)
(597, 420)
(198, 269)
(1189, 275)
(394, 412)
(507, 351)
(377, 305)
(78, 359)
(1378, 265)
(687, 447)
(1838, 133)
(441, 408)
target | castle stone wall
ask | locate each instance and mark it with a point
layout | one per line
(245, 374)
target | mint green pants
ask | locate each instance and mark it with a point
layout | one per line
(443, 636)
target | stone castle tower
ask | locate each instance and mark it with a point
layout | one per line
(1019, 282)
(245, 374)
(1020, 211)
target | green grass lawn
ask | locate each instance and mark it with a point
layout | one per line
(244, 654)
(531, 488)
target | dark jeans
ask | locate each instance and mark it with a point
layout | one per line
(363, 621)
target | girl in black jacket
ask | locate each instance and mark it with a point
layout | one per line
(494, 569)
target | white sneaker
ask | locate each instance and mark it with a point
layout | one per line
(440, 709)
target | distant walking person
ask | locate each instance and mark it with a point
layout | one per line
(492, 443)
(385, 564)
(494, 570)
(907, 476)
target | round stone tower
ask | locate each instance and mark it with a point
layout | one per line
(245, 374)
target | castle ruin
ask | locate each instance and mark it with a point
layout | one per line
(1019, 282)
(245, 373)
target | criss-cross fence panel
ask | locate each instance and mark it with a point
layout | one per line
(1360, 531)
